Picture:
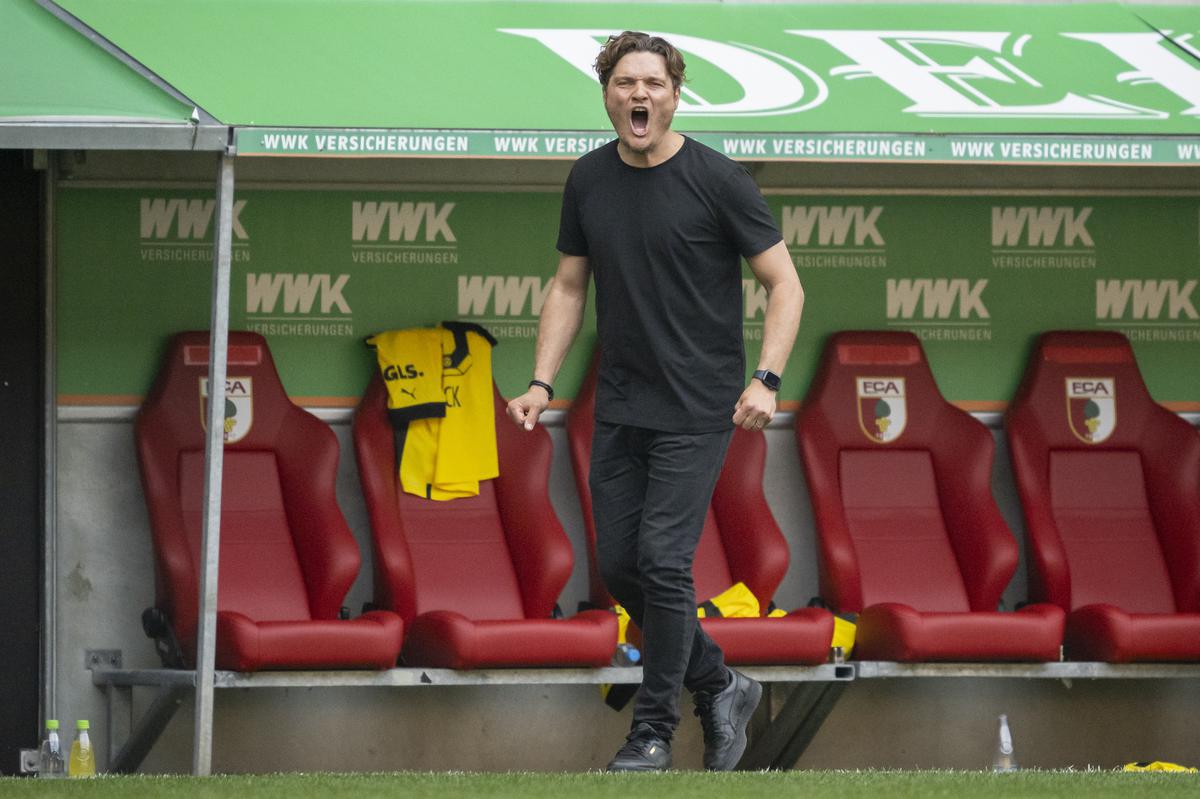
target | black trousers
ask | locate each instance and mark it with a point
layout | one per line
(650, 495)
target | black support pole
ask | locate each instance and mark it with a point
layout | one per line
(21, 463)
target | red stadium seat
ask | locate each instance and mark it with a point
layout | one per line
(287, 556)
(476, 579)
(910, 536)
(740, 543)
(1110, 484)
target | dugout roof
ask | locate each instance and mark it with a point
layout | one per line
(1081, 83)
(64, 89)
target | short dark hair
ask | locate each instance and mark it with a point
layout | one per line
(622, 44)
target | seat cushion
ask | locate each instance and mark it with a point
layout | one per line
(449, 640)
(369, 642)
(894, 515)
(1099, 503)
(261, 576)
(461, 559)
(892, 631)
(1107, 633)
(801, 637)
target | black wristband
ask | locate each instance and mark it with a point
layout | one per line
(549, 389)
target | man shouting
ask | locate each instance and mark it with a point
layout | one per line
(662, 223)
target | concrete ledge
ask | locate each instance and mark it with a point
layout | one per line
(866, 670)
(829, 672)
(407, 677)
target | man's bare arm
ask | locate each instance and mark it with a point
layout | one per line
(785, 303)
(562, 316)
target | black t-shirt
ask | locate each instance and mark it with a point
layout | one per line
(665, 245)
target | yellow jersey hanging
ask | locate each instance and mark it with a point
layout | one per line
(440, 404)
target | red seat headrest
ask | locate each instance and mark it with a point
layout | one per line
(1085, 390)
(896, 399)
(256, 402)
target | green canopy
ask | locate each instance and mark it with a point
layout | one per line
(1084, 83)
(60, 89)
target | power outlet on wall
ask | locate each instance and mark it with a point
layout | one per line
(29, 761)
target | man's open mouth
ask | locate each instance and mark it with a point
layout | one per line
(639, 120)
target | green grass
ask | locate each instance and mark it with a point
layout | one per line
(681, 785)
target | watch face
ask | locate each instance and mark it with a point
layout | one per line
(769, 379)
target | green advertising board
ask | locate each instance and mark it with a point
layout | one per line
(975, 276)
(842, 148)
(1003, 83)
(978, 277)
(315, 272)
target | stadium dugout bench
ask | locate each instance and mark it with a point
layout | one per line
(787, 721)
(130, 739)
(304, 644)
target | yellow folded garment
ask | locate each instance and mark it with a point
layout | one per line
(622, 623)
(1158, 765)
(735, 602)
(843, 635)
(738, 602)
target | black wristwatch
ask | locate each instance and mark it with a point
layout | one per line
(769, 379)
(545, 386)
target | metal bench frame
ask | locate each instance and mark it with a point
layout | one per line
(778, 736)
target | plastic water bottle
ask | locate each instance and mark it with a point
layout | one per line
(51, 765)
(83, 757)
(626, 655)
(1004, 760)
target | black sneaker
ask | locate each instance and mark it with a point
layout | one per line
(644, 750)
(723, 717)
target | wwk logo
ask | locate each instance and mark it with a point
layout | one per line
(409, 222)
(1030, 226)
(941, 309)
(1145, 300)
(176, 219)
(942, 298)
(831, 225)
(300, 293)
(501, 295)
(508, 304)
